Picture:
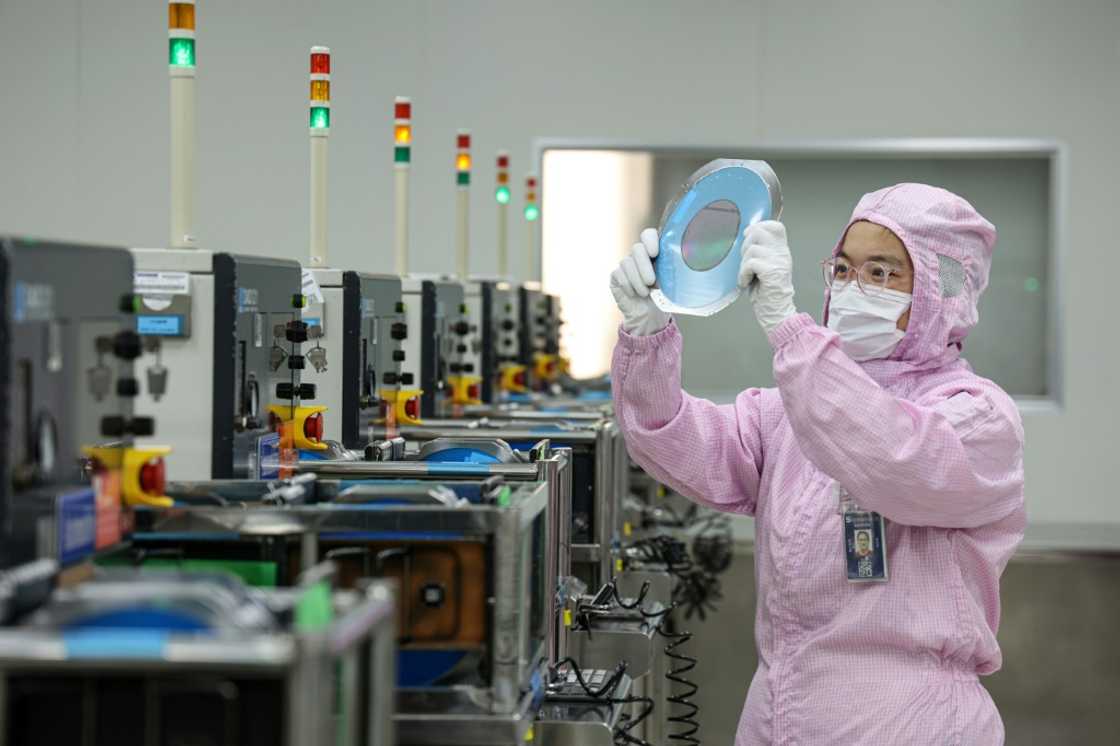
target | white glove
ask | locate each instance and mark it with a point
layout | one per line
(766, 272)
(630, 285)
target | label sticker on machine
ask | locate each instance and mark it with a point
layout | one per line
(170, 325)
(76, 523)
(161, 283)
(247, 300)
(311, 289)
(268, 456)
(32, 302)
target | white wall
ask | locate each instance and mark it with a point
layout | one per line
(83, 136)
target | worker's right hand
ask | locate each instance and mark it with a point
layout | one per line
(630, 285)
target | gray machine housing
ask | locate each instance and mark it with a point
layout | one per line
(362, 318)
(61, 301)
(227, 345)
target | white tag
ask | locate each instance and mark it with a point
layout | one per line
(311, 287)
(161, 283)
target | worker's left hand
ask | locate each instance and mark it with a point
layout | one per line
(766, 272)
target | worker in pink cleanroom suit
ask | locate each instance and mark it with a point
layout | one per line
(876, 419)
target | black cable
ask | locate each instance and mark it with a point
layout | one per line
(687, 719)
(627, 722)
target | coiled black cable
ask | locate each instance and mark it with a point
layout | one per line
(682, 697)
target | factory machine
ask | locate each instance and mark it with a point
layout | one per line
(71, 401)
(230, 326)
(361, 319)
(140, 658)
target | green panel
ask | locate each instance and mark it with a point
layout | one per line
(314, 609)
(260, 574)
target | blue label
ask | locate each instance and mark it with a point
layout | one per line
(168, 326)
(76, 523)
(268, 456)
(114, 643)
(312, 321)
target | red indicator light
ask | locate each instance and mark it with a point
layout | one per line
(402, 109)
(320, 63)
(463, 140)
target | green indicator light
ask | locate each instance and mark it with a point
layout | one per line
(502, 195)
(463, 178)
(532, 212)
(181, 52)
(402, 154)
(1032, 285)
(320, 117)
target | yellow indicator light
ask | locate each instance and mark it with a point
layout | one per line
(567, 617)
(618, 565)
(627, 529)
(320, 90)
(463, 162)
(529, 735)
(180, 16)
(403, 134)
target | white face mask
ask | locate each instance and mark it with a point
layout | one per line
(867, 324)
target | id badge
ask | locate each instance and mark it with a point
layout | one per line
(865, 546)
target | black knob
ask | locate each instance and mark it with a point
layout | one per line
(113, 426)
(295, 362)
(461, 328)
(286, 391)
(460, 349)
(128, 387)
(455, 367)
(296, 332)
(508, 325)
(468, 367)
(407, 379)
(130, 303)
(399, 331)
(127, 345)
(540, 320)
(389, 379)
(400, 306)
(142, 426)
(507, 343)
(398, 356)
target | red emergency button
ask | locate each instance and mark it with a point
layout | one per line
(474, 391)
(153, 477)
(519, 378)
(313, 427)
(412, 408)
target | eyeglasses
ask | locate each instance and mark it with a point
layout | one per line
(871, 277)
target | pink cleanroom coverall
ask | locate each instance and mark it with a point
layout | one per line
(917, 437)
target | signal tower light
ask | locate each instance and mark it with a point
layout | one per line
(180, 32)
(320, 120)
(402, 131)
(463, 158)
(501, 192)
(532, 210)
